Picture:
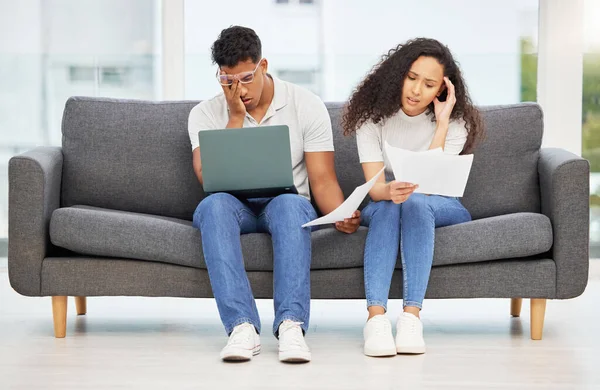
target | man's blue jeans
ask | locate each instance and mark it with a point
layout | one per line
(222, 218)
(410, 226)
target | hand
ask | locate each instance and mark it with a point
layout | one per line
(400, 191)
(349, 225)
(444, 109)
(237, 109)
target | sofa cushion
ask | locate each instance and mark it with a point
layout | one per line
(129, 155)
(102, 232)
(504, 177)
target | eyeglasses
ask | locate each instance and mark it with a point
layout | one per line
(244, 77)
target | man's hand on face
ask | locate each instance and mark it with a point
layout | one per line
(237, 109)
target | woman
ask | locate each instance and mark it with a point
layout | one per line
(415, 99)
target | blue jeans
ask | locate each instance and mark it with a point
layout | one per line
(409, 226)
(222, 218)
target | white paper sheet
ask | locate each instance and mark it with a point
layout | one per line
(350, 205)
(436, 173)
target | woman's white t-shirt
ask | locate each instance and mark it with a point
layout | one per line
(413, 133)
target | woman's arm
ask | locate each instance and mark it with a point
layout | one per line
(380, 190)
(441, 132)
(442, 116)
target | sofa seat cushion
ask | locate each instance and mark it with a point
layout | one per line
(102, 232)
(494, 238)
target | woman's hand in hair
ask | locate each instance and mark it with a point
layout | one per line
(400, 191)
(443, 110)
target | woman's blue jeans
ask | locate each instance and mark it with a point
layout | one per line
(410, 228)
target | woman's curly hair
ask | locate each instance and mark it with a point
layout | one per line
(379, 96)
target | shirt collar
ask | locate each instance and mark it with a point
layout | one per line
(280, 94)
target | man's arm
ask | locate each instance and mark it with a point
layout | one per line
(197, 164)
(326, 189)
(319, 160)
(198, 120)
(323, 180)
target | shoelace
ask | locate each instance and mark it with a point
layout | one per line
(238, 336)
(382, 326)
(413, 325)
(295, 339)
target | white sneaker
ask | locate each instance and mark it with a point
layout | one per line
(379, 340)
(243, 343)
(292, 347)
(409, 336)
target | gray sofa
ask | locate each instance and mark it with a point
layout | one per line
(109, 214)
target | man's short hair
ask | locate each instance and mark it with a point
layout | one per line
(236, 44)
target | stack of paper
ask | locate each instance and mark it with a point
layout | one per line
(435, 172)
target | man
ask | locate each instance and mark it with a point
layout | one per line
(251, 97)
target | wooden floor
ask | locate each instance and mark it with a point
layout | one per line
(155, 343)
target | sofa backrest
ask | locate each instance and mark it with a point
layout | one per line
(129, 155)
(504, 177)
(136, 156)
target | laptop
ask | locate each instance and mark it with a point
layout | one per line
(252, 162)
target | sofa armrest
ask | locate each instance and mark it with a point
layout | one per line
(34, 179)
(565, 199)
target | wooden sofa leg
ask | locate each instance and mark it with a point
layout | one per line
(515, 306)
(81, 305)
(538, 311)
(59, 312)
